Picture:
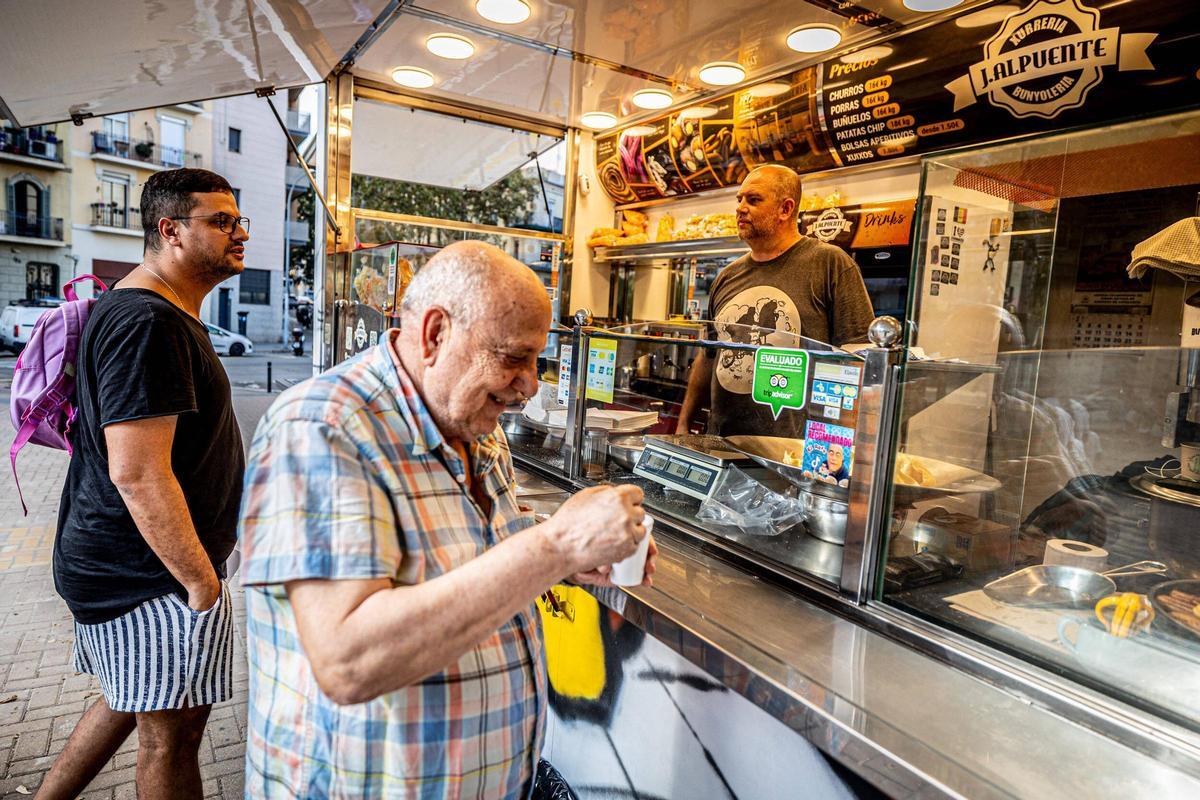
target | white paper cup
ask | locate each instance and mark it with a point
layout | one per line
(630, 571)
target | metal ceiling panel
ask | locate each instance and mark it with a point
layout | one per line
(391, 141)
(573, 56)
(66, 57)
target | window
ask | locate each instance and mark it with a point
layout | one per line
(41, 280)
(113, 209)
(173, 133)
(237, 195)
(235, 140)
(254, 287)
(117, 127)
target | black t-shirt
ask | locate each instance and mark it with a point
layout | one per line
(811, 290)
(141, 357)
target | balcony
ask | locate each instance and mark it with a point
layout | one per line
(297, 231)
(150, 153)
(36, 143)
(296, 176)
(25, 226)
(110, 215)
(299, 124)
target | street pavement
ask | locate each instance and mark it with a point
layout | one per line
(41, 695)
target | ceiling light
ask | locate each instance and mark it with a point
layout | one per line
(698, 112)
(505, 12)
(772, 89)
(598, 120)
(450, 45)
(814, 38)
(722, 73)
(875, 53)
(413, 77)
(638, 130)
(653, 98)
(931, 5)
(987, 16)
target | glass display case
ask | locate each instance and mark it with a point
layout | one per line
(1049, 502)
(378, 276)
(775, 491)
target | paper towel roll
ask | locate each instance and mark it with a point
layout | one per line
(1067, 553)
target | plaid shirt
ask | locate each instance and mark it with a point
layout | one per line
(349, 477)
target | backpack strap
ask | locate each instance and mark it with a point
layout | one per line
(23, 437)
(69, 286)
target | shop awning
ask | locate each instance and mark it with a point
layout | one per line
(74, 57)
(65, 58)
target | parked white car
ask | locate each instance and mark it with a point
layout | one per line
(17, 321)
(228, 343)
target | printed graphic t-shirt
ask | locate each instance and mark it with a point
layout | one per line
(812, 290)
(140, 357)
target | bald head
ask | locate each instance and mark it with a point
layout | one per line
(783, 181)
(470, 279)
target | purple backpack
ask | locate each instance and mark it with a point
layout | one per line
(42, 406)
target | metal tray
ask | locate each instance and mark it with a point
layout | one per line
(1161, 612)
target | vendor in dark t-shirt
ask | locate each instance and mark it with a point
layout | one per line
(787, 287)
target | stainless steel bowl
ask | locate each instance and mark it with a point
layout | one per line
(825, 517)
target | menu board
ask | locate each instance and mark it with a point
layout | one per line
(1049, 65)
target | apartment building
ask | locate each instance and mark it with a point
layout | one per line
(250, 150)
(111, 158)
(35, 258)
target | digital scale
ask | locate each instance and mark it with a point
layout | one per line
(687, 463)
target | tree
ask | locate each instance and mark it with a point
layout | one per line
(506, 202)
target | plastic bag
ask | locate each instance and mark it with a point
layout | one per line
(742, 502)
(549, 784)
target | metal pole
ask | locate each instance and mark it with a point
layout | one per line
(287, 258)
(270, 382)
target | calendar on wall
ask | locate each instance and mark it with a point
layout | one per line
(1092, 329)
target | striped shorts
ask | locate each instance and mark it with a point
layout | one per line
(161, 655)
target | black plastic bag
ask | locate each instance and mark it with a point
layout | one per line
(549, 784)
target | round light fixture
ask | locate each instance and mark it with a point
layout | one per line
(722, 73)
(450, 45)
(638, 130)
(931, 5)
(993, 15)
(598, 120)
(698, 112)
(413, 77)
(505, 12)
(652, 98)
(814, 38)
(879, 51)
(771, 89)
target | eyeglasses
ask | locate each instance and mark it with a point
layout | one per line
(225, 223)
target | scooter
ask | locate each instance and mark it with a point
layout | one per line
(297, 341)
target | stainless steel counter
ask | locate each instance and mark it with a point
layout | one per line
(910, 724)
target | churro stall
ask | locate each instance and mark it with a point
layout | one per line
(957, 560)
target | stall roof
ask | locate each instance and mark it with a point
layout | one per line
(68, 57)
(574, 56)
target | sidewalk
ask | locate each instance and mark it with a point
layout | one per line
(41, 696)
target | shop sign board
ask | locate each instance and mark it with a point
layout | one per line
(780, 379)
(1049, 65)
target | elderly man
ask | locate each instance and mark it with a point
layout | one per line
(788, 283)
(394, 647)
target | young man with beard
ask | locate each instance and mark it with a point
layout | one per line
(149, 510)
(787, 287)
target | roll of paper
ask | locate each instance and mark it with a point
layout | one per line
(1064, 552)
